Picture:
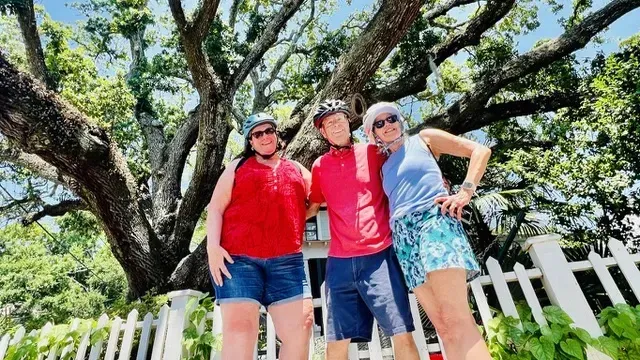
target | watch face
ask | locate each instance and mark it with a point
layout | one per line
(467, 185)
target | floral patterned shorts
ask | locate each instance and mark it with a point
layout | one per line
(426, 241)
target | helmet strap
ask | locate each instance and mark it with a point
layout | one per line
(385, 147)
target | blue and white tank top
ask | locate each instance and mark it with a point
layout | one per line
(411, 178)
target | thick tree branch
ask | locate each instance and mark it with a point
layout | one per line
(213, 135)
(233, 14)
(502, 111)
(58, 209)
(152, 128)
(463, 113)
(193, 271)
(265, 42)
(40, 123)
(204, 18)
(383, 32)
(444, 7)
(415, 80)
(166, 191)
(35, 57)
(11, 154)
(192, 34)
(238, 115)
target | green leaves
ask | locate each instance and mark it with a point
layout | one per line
(198, 338)
(572, 348)
(555, 315)
(543, 348)
(558, 340)
(622, 329)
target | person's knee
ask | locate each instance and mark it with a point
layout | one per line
(240, 327)
(452, 325)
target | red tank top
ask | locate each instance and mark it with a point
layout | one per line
(266, 215)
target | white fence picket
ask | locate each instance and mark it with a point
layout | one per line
(418, 334)
(354, 354)
(626, 265)
(481, 303)
(161, 333)
(43, 338)
(4, 345)
(19, 334)
(502, 289)
(96, 349)
(529, 294)
(375, 347)
(271, 338)
(114, 336)
(74, 325)
(606, 279)
(216, 329)
(84, 344)
(145, 336)
(127, 338)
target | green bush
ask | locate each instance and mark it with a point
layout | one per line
(509, 338)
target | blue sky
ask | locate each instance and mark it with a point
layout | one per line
(621, 29)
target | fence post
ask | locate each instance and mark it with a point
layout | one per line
(560, 283)
(178, 318)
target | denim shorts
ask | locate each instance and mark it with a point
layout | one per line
(427, 241)
(361, 288)
(267, 282)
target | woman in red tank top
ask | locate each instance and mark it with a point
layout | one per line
(255, 225)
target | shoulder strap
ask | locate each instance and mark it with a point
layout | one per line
(242, 161)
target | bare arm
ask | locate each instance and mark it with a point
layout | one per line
(442, 142)
(219, 201)
(312, 209)
(306, 176)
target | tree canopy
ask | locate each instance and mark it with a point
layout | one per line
(131, 114)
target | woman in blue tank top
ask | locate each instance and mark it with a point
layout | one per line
(428, 237)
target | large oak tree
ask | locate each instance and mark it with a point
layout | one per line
(150, 228)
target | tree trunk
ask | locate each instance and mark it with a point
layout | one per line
(40, 123)
(385, 30)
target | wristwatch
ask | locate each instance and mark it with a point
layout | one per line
(469, 186)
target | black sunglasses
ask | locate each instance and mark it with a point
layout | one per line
(379, 124)
(258, 134)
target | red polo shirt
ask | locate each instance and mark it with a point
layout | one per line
(349, 182)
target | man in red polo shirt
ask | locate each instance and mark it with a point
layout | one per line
(363, 280)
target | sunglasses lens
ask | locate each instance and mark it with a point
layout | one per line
(380, 123)
(259, 134)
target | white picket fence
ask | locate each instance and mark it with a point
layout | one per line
(559, 282)
(160, 336)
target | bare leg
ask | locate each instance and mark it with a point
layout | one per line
(404, 347)
(444, 298)
(239, 330)
(293, 322)
(338, 350)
